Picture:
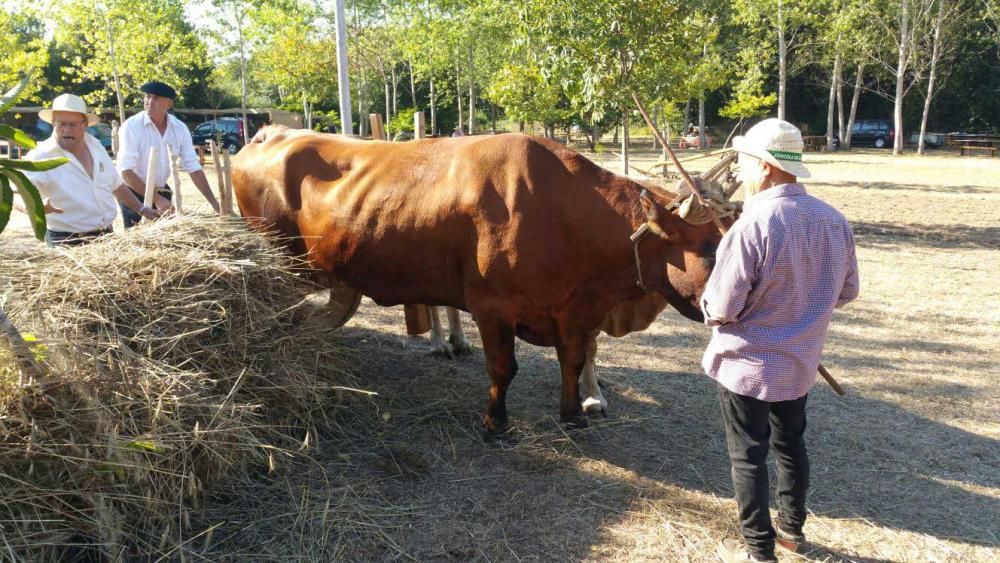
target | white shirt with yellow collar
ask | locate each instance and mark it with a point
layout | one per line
(139, 133)
(87, 202)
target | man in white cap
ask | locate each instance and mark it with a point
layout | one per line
(154, 127)
(79, 195)
(780, 271)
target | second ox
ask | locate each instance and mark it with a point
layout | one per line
(528, 236)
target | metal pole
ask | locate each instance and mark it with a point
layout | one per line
(342, 79)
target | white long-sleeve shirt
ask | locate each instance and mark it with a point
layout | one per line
(87, 202)
(139, 133)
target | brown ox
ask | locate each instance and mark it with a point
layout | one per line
(528, 236)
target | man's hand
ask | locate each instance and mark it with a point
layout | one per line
(49, 208)
(148, 213)
(163, 205)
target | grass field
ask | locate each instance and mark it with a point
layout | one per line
(906, 466)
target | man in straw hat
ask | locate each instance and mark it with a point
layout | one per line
(79, 195)
(780, 271)
(154, 127)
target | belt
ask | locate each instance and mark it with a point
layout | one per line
(164, 190)
(88, 234)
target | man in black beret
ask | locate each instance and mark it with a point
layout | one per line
(154, 127)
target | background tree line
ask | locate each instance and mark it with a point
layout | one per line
(474, 64)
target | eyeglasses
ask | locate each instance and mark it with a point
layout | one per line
(69, 124)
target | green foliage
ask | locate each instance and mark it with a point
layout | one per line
(22, 47)
(10, 171)
(152, 40)
(403, 122)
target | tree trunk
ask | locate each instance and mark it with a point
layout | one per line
(897, 111)
(472, 97)
(434, 121)
(858, 82)
(595, 136)
(625, 143)
(702, 137)
(656, 121)
(458, 96)
(413, 88)
(831, 105)
(687, 115)
(493, 118)
(395, 93)
(840, 103)
(306, 112)
(935, 54)
(782, 61)
(243, 78)
(388, 106)
(114, 70)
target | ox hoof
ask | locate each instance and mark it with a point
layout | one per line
(594, 407)
(461, 346)
(575, 422)
(443, 351)
(494, 428)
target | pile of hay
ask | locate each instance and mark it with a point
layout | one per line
(178, 361)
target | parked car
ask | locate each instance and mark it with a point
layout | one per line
(227, 130)
(878, 133)
(101, 131)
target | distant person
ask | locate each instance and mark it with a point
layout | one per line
(154, 127)
(79, 196)
(782, 268)
(458, 132)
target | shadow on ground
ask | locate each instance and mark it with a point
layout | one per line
(543, 493)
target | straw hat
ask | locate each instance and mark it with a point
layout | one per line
(777, 142)
(69, 102)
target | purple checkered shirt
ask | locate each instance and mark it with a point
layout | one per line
(780, 271)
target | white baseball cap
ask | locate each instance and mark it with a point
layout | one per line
(777, 142)
(69, 102)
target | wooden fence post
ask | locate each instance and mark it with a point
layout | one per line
(151, 170)
(418, 125)
(226, 205)
(378, 131)
(178, 204)
(218, 173)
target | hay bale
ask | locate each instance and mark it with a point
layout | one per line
(178, 360)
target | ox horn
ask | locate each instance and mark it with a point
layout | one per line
(670, 152)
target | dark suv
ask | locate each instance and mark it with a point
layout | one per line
(877, 133)
(227, 130)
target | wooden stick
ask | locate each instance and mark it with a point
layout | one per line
(151, 169)
(218, 172)
(829, 379)
(226, 205)
(687, 177)
(177, 179)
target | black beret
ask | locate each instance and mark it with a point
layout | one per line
(159, 89)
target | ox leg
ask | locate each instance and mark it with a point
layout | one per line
(498, 347)
(590, 391)
(438, 346)
(456, 335)
(572, 354)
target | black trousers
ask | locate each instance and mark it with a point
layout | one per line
(751, 426)
(62, 238)
(132, 218)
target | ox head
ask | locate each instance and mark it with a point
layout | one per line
(678, 261)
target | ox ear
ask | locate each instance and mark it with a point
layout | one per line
(649, 206)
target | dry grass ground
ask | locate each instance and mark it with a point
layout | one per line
(906, 467)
